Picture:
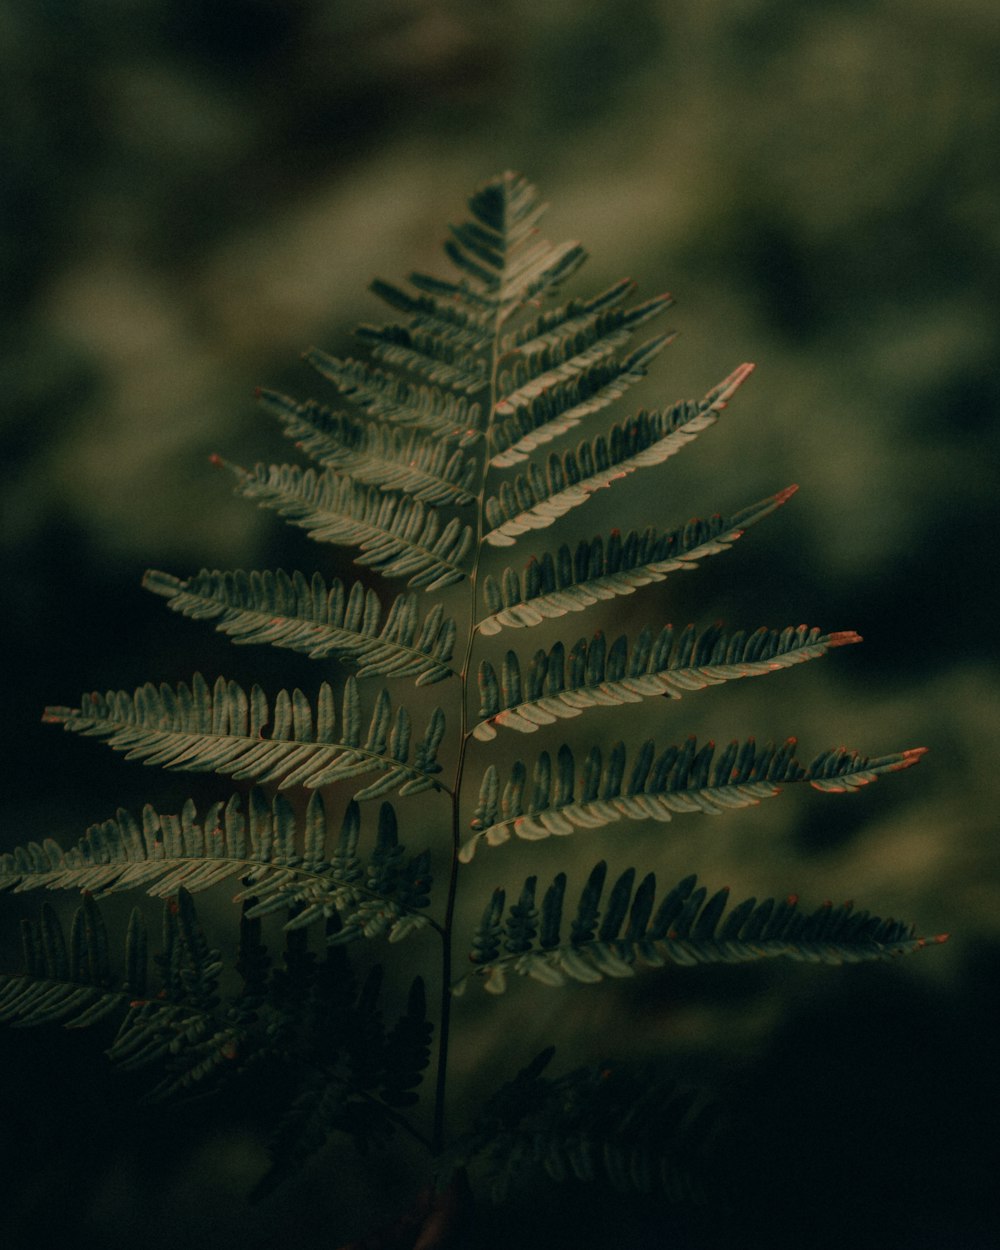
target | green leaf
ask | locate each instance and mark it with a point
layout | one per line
(529, 414)
(70, 983)
(162, 854)
(619, 1125)
(287, 610)
(385, 397)
(689, 927)
(420, 465)
(559, 687)
(679, 779)
(399, 537)
(222, 730)
(606, 568)
(536, 499)
(562, 334)
(437, 358)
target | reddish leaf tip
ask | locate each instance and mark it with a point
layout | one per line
(843, 638)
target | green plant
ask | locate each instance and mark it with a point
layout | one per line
(438, 460)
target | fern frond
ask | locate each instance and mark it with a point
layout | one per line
(624, 1126)
(399, 537)
(287, 610)
(533, 501)
(385, 895)
(531, 413)
(603, 569)
(353, 1075)
(71, 983)
(187, 1029)
(558, 687)
(407, 1050)
(505, 262)
(559, 335)
(417, 464)
(383, 898)
(435, 357)
(679, 779)
(385, 397)
(688, 927)
(465, 327)
(198, 729)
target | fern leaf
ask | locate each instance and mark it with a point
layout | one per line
(437, 358)
(198, 729)
(534, 411)
(352, 1075)
(162, 854)
(558, 687)
(385, 397)
(286, 610)
(688, 927)
(679, 779)
(556, 336)
(505, 261)
(185, 1027)
(603, 569)
(70, 983)
(399, 537)
(533, 501)
(464, 327)
(621, 1125)
(417, 464)
(407, 1050)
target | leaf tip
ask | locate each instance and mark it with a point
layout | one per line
(843, 638)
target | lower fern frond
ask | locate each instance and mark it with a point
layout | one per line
(308, 1019)
(71, 983)
(688, 927)
(385, 896)
(623, 1127)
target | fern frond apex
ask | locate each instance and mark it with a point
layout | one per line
(853, 781)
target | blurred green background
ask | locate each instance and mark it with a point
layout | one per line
(193, 193)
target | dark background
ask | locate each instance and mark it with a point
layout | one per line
(193, 193)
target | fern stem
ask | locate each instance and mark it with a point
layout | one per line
(444, 1026)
